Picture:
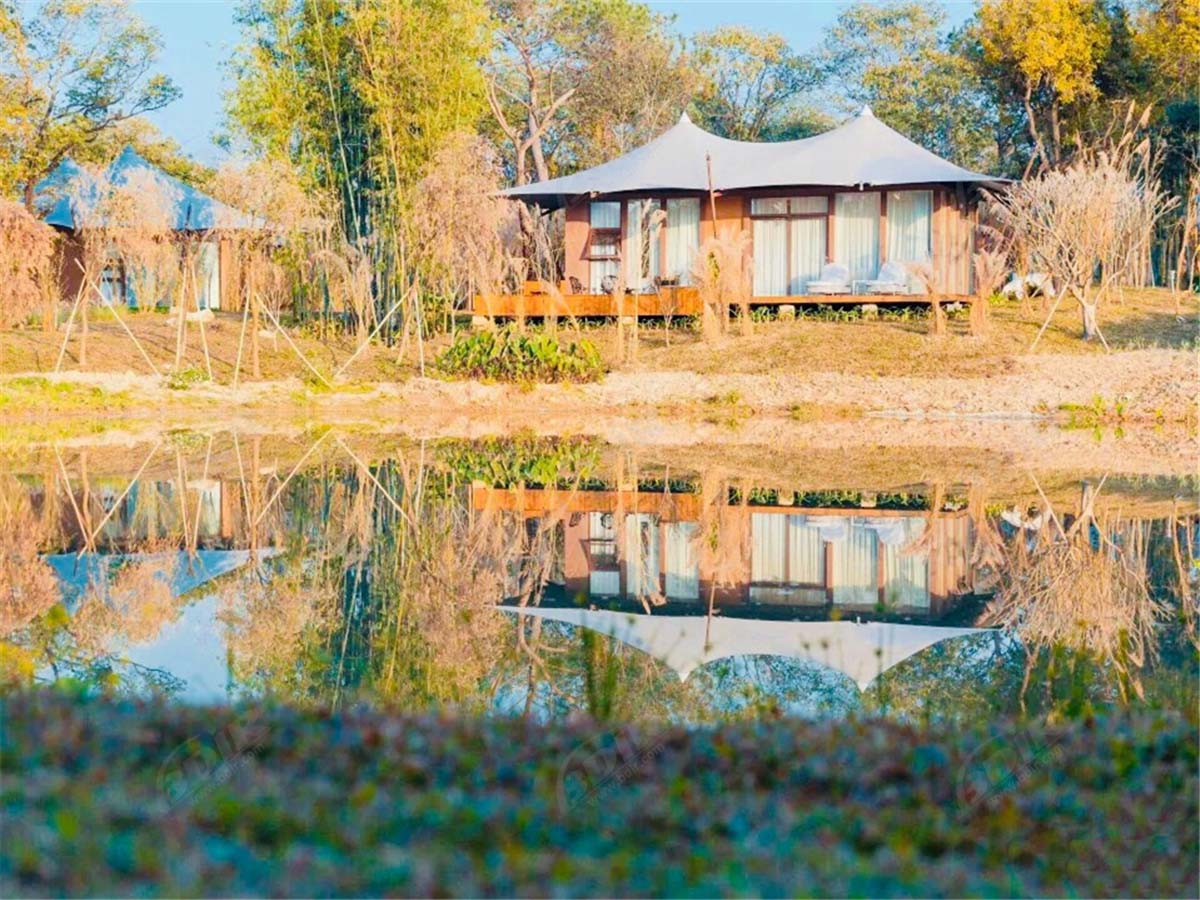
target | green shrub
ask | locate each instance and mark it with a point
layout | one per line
(510, 355)
(182, 379)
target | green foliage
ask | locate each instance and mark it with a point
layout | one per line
(579, 81)
(71, 72)
(477, 799)
(528, 460)
(359, 99)
(187, 377)
(897, 58)
(753, 83)
(512, 355)
(36, 392)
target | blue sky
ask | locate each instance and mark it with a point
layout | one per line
(198, 35)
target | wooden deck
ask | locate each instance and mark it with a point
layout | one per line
(537, 302)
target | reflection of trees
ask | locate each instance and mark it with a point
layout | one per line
(1082, 589)
(27, 584)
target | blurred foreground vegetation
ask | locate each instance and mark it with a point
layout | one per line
(107, 797)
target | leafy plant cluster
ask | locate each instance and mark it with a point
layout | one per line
(831, 499)
(529, 460)
(511, 355)
(187, 377)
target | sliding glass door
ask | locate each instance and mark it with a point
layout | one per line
(856, 233)
(789, 243)
(604, 244)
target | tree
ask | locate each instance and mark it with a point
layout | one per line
(1051, 49)
(896, 59)
(1099, 214)
(70, 72)
(571, 82)
(753, 82)
(359, 98)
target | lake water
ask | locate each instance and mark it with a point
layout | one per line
(541, 577)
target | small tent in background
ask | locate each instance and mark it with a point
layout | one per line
(198, 221)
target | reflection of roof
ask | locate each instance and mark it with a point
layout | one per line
(863, 151)
(861, 651)
(187, 573)
(193, 211)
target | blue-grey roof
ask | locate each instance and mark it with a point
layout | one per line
(194, 210)
(184, 572)
(863, 151)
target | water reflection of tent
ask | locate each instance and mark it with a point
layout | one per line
(187, 573)
(860, 650)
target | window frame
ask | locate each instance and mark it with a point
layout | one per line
(790, 216)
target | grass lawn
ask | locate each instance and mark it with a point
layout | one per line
(887, 346)
(892, 346)
(116, 798)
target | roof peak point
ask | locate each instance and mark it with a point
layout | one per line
(684, 118)
(866, 111)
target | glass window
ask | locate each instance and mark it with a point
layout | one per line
(808, 206)
(606, 214)
(770, 257)
(769, 206)
(909, 226)
(604, 244)
(683, 237)
(789, 243)
(856, 242)
(643, 240)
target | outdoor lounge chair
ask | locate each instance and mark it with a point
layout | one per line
(893, 279)
(835, 279)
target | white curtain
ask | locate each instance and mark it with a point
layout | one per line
(603, 214)
(208, 275)
(856, 238)
(210, 510)
(910, 217)
(770, 257)
(768, 547)
(855, 567)
(906, 576)
(641, 244)
(683, 237)
(808, 252)
(682, 564)
(641, 555)
(806, 553)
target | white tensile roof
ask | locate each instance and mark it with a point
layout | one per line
(861, 152)
(860, 650)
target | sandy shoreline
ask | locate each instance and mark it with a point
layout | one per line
(1017, 416)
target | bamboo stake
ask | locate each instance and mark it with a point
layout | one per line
(181, 310)
(92, 284)
(297, 350)
(203, 477)
(96, 531)
(83, 529)
(375, 481)
(370, 337)
(183, 510)
(296, 468)
(67, 333)
(200, 322)
(237, 365)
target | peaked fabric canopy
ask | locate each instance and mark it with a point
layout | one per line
(861, 651)
(184, 572)
(192, 211)
(863, 151)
